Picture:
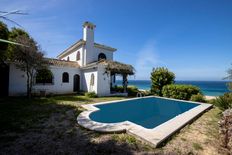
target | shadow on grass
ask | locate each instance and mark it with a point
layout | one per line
(44, 126)
(17, 114)
(71, 98)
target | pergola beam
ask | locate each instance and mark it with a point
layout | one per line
(115, 67)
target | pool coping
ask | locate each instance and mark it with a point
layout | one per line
(153, 136)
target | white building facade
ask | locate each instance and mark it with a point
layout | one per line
(81, 67)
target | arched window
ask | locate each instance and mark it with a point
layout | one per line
(44, 76)
(101, 56)
(92, 79)
(78, 55)
(65, 77)
(68, 59)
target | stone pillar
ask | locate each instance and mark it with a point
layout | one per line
(124, 82)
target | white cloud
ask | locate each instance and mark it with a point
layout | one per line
(146, 59)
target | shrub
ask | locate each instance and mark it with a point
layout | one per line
(131, 90)
(198, 98)
(224, 102)
(160, 77)
(44, 76)
(147, 93)
(91, 94)
(182, 92)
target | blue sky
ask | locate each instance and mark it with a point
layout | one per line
(193, 38)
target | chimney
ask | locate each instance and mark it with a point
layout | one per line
(88, 32)
(88, 37)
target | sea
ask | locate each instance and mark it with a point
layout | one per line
(208, 88)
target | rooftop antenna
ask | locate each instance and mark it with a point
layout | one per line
(4, 15)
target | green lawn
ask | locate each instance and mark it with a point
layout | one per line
(48, 126)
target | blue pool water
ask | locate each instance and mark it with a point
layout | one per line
(147, 112)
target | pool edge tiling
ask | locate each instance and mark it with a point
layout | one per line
(152, 136)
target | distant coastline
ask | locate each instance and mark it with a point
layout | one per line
(208, 88)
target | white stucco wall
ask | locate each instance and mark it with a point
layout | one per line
(58, 87)
(72, 56)
(86, 80)
(88, 54)
(97, 51)
(18, 82)
(103, 81)
(91, 55)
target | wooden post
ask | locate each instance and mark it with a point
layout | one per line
(125, 82)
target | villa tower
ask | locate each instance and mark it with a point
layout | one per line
(88, 37)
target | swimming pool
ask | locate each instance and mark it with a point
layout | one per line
(151, 119)
(147, 112)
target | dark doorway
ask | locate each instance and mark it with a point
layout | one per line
(4, 79)
(76, 83)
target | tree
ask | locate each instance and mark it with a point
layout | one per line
(43, 76)
(160, 77)
(13, 35)
(4, 33)
(7, 41)
(28, 58)
(229, 72)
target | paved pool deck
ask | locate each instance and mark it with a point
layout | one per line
(153, 136)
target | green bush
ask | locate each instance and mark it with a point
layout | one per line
(198, 98)
(160, 77)
(44, 76)
(131, 90)
(147, 93)
(182, 92)
(224, 102)
(91, 94)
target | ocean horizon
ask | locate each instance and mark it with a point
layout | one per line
(208, 88)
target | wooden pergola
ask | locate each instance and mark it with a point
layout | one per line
(119, 68)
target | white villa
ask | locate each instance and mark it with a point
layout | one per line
(84, 66)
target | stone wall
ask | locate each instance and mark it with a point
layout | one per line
(225, 130)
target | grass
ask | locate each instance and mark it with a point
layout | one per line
(71, 98)
(48, 125)
(197, 146)
(125, 138)
(200, 137)
(18, 114)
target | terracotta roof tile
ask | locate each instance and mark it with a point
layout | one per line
(62, 63)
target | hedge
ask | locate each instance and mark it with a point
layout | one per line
(182, 92)
(131, 90)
